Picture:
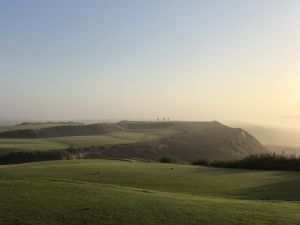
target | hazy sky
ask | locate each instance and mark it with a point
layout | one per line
(192, 60)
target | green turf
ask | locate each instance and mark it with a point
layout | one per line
(120, 192)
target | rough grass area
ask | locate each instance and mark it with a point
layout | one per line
(121, 192)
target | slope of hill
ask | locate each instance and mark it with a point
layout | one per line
(120, 192)
(212, 141)
(181, 141)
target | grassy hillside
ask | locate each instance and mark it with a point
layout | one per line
(182, 141)
(120, 192)
(120, 137)
(212, 141)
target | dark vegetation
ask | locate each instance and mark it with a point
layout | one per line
(55, 123)
(292, 150)
(167, 160)
(144, 151)
(266, 161)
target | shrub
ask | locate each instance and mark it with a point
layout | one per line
(201, 162)
(166, 160)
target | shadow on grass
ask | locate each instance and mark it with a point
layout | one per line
(282, 186)
(226, 171)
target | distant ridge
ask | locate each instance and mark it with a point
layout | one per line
(183, 142)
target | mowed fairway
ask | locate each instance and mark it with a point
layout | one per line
(121, 192)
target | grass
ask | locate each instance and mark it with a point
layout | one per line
(8, 145)
(121, 192)
(120, 137)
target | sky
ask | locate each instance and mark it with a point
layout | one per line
(140, 59)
